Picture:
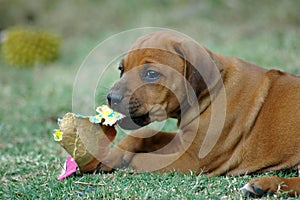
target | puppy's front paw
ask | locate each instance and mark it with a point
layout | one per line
(116, 158)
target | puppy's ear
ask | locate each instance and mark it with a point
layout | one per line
(201, 72)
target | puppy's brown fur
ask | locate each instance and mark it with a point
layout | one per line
(259, 120)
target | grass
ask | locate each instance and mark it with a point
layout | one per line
(32, 98)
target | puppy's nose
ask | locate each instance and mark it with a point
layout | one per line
(114, 99)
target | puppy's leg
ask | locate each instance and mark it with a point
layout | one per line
(267, 185)
(184, 162)
(141, 141)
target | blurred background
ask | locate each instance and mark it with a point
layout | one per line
(265, 32)
(216, 23)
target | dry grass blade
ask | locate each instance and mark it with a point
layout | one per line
(90, 184)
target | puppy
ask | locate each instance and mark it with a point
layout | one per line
(234, 117)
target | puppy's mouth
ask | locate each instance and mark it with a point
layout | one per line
(135, 117)
(133, 122)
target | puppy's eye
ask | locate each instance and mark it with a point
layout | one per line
(151, 75)
(121, 68)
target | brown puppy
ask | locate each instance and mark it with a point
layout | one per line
(233, 117)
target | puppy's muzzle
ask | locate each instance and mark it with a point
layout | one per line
(114, 99)
(117, 102)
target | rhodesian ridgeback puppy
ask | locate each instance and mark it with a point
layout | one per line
(234, 117)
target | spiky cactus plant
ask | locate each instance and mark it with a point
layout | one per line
(24, 47)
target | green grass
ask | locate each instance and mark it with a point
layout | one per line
(262, 32)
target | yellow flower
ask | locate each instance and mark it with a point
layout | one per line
(57, 135)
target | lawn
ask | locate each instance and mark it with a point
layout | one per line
(262, 32)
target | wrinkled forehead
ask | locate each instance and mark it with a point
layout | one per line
(153, 56)
(158, 40)
(154, 48)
